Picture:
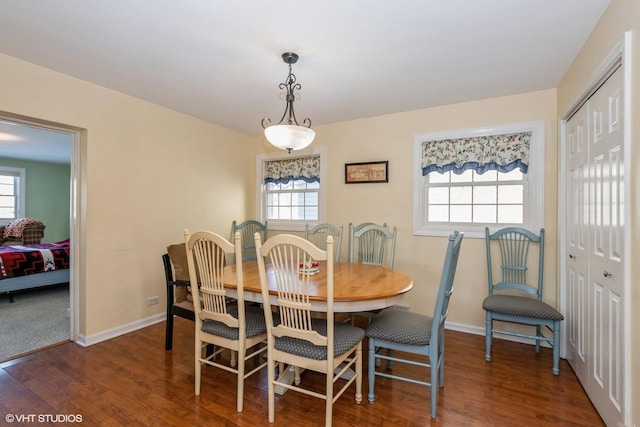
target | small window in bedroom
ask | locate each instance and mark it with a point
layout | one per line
(11, 194)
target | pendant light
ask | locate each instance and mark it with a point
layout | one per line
(287, 134)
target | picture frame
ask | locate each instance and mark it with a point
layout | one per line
(366, 172)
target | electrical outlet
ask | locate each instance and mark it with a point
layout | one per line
(153, 300)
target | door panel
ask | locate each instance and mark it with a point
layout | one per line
(595, 246)
(577, 239)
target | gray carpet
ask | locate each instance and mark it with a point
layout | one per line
(36, 319)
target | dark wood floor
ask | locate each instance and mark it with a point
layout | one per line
(132, 380)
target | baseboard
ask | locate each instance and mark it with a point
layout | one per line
(87, 340)
(475, 330)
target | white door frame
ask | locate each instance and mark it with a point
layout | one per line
(621, 54)
(77, 208)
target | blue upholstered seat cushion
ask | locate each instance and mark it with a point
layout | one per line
(345, 336)
(521, 306)
(254, 317)
(401, 326)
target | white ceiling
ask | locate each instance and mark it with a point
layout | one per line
(220, 60)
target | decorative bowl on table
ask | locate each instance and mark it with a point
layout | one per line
(309, 267)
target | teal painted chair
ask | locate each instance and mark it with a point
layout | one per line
(370, 243)
(409, 332)
(247, 230)
(374, 244)
(514, 298)
(318, 236)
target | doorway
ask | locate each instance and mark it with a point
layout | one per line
(33, 148)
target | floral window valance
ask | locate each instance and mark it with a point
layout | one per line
(284, 170)
(503, 153)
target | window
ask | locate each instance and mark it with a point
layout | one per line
(472, 179)
(11, 194)
(291, 194)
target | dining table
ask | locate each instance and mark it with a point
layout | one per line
(356, 287)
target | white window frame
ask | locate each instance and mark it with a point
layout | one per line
(534, 194)
(261, 205)
(20, 196)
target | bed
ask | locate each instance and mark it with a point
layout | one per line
(33, 266)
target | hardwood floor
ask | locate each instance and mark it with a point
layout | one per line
(132, 380)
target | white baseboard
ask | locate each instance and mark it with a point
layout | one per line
(87, 340)
(475, 330)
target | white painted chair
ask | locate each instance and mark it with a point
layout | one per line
(238, 327)
(300, 340)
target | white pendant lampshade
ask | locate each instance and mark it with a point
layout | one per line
(289, 137)
(287, 134)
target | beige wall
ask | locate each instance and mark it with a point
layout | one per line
(150, 172)
(390, 137)
(621, 16)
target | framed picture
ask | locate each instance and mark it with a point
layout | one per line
(364, 172)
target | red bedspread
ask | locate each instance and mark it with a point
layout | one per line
(21, 260)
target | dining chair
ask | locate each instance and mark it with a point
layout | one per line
(318, 236)
(515, 298)
(409, 332)
(238, 327)
(370, 243)
(301, 340)
(179, 303)
(247, 229)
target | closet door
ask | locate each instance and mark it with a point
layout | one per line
(595, 248)
(578, 241)
(606, 260)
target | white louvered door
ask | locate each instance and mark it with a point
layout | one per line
(595, 248)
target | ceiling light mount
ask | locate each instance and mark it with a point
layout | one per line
(287, 134)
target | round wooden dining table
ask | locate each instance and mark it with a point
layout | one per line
(356, 287)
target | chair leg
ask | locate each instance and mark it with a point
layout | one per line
(372, 369)
(441, 362)
(359, 373)
(328, 414)
(168, 333)
(556, 348)
(433, 360)
(271, 388)
(538, 334)
(198, 367)
(240, 389)
(296, 375)
(488, 336)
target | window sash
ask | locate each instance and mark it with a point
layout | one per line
(12, 204)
